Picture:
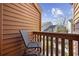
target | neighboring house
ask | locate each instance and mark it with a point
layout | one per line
(77, 27)
(51, 28)
(46, 25)
(69, 26)
(75, 23)
(13, 17)
(76, 17)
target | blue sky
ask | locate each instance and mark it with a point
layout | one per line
(55, 12)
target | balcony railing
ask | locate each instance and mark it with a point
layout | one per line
(52, 43)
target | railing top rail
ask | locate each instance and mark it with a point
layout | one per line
(60, 35)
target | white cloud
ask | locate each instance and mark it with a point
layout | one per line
(59, 12)
(53, 11)
(56, 12)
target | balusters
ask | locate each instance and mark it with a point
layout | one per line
(70, 48)
(44, 38)
(38, 38)
(35, 37)
(56, 46)
(40, 41)
(43, 45)
(63, 47)
(47, 46)
(51, 46)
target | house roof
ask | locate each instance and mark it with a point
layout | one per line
(51, 26)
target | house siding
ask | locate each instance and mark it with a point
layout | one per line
(0, 28)
(15, 17)
(76, 17)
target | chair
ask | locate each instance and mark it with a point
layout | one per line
(27, 41)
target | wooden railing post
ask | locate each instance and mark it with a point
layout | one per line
(70, 48)
(63, 47)
(45, 40)
(40, 42)
(56, 46)
(47, 48)
(51, 46)
(43, 45)
(35, 37)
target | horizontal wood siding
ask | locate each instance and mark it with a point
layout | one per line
(76, 17)
(0, 29)
(77, 27)
(15, 17)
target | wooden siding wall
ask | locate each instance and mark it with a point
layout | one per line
(76, 17)
(77, 27)
(0, 27)
(15, 17)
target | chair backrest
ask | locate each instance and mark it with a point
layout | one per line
(25, 37)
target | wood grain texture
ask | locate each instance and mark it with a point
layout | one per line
(56, 46)
(1, 21)
(76, 17)
(51, 46)
(0, 29)
(63, 47)
(47, 46)
(15, 17)
(70, 47)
